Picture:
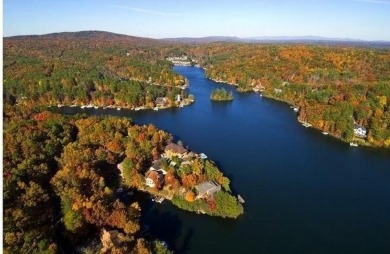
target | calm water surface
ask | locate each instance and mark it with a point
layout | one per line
(304, 192)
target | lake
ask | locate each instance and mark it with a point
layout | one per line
(304, 192)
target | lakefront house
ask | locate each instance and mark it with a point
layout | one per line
(359, 131)
(207, 189)
(173, 149)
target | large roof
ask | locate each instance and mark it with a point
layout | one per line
(207, 187)
(175, 148)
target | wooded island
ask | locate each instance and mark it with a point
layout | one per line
(221, 94)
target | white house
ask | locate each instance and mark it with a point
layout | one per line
(360, 131)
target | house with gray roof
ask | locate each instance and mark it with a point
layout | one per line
(208, 188)
(161, 102)
(157, 165)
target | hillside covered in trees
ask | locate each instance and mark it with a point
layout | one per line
(88, 68)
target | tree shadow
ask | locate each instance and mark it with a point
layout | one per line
(163, 225)
(185, 246)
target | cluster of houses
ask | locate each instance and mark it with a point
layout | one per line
(155, 176)
(162, 102)
(180, 60)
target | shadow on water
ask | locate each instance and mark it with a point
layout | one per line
(157, 223)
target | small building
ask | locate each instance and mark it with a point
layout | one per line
(173, 149)
(154, 178)
(161, 102)
(112, 238)
(208, 188)
(359, 131)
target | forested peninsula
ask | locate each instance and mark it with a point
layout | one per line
(76, 178)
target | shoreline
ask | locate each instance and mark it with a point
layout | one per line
(357, 140)
(187, 102)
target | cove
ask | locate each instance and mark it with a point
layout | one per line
(304, 192)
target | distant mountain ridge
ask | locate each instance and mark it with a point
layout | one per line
(298, 38)
(107, 36)
(207, 39)
(80, 34)
(281, 39)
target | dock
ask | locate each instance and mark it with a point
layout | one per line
(158, 199)
(240, 199)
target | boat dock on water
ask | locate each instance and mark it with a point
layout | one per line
(240, 199)
(158, 199)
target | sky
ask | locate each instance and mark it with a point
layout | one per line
(355, 19)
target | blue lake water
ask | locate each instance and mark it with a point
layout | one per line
(304, 192)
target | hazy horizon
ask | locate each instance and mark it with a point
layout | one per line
(346, 19)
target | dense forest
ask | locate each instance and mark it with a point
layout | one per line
(334, 87)
(60, 181)
(88, 68)
(63, 189)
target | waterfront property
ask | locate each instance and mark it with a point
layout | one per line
(161, 102)
(173, 149)
(207, 189)
(360, 131)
